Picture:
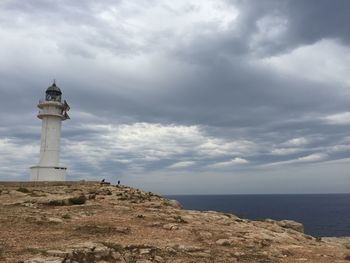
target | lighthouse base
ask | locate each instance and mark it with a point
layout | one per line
(47, 173)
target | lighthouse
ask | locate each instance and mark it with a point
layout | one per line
(52, 111)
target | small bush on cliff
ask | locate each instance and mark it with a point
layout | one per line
(66, 216)
(79, 200)
(23, 190)
(57, 202)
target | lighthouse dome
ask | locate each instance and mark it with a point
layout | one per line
(53, 93)
(55, 88)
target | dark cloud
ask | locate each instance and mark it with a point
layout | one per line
(311, 21)
(306, 22)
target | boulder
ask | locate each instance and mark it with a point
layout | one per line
(171, 226)
(54, 220)
(175, 204)
(291, 225)
(224, 242)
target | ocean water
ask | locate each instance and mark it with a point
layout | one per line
(321, 214)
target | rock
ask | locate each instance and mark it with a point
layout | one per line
(171, 226)
(154, 224)
(200, 254)
(158, 259)
(179, 219)
(308, 237)
(144, 251)
(57, 253)
(91, 196)
(291, 225)
(174, 203)
(17, 193)
(205, 234)
(122, 230)
(102, 229)
(55, 202)
(116, 255)
(171, 250)
(54, 220)
(344, 241)
(44, 260)
(224, 242)
(188, 248)
(239, 254)
(88, 245)
(187, 218)
(30, 205)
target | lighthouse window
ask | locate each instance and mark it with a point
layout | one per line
(53, 95)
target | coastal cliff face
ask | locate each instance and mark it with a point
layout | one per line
(89, 222)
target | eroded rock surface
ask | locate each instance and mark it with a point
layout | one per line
(89, 222)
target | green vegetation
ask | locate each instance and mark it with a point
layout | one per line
(79, 200)
(66, 216)
(57, 202)
(23, 190)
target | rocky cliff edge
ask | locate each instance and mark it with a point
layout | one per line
(90, 222)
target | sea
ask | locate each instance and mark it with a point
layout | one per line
(322, 214)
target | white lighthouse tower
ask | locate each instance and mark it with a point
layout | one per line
(52, 111)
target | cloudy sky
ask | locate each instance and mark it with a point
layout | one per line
(203, 96)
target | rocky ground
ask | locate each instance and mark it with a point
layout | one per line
(89, 222)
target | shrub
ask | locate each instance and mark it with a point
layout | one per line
(23, 190)
(79, 200)
(57, 202)
(66, 216)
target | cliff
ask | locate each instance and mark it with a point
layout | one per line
(89, 222)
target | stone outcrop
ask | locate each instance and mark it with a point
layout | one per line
(90, 222)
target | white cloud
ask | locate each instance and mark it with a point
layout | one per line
(325, 61)
(218, 147)
(338, 148)
(233, 162)
(285, 151)
(183, 164)
(180, 16)
(301, 141)
(88, 29)
(141, 143)
(342, 118)
(315, 157)
(17, 157)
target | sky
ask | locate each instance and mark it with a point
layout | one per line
(182, 97)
